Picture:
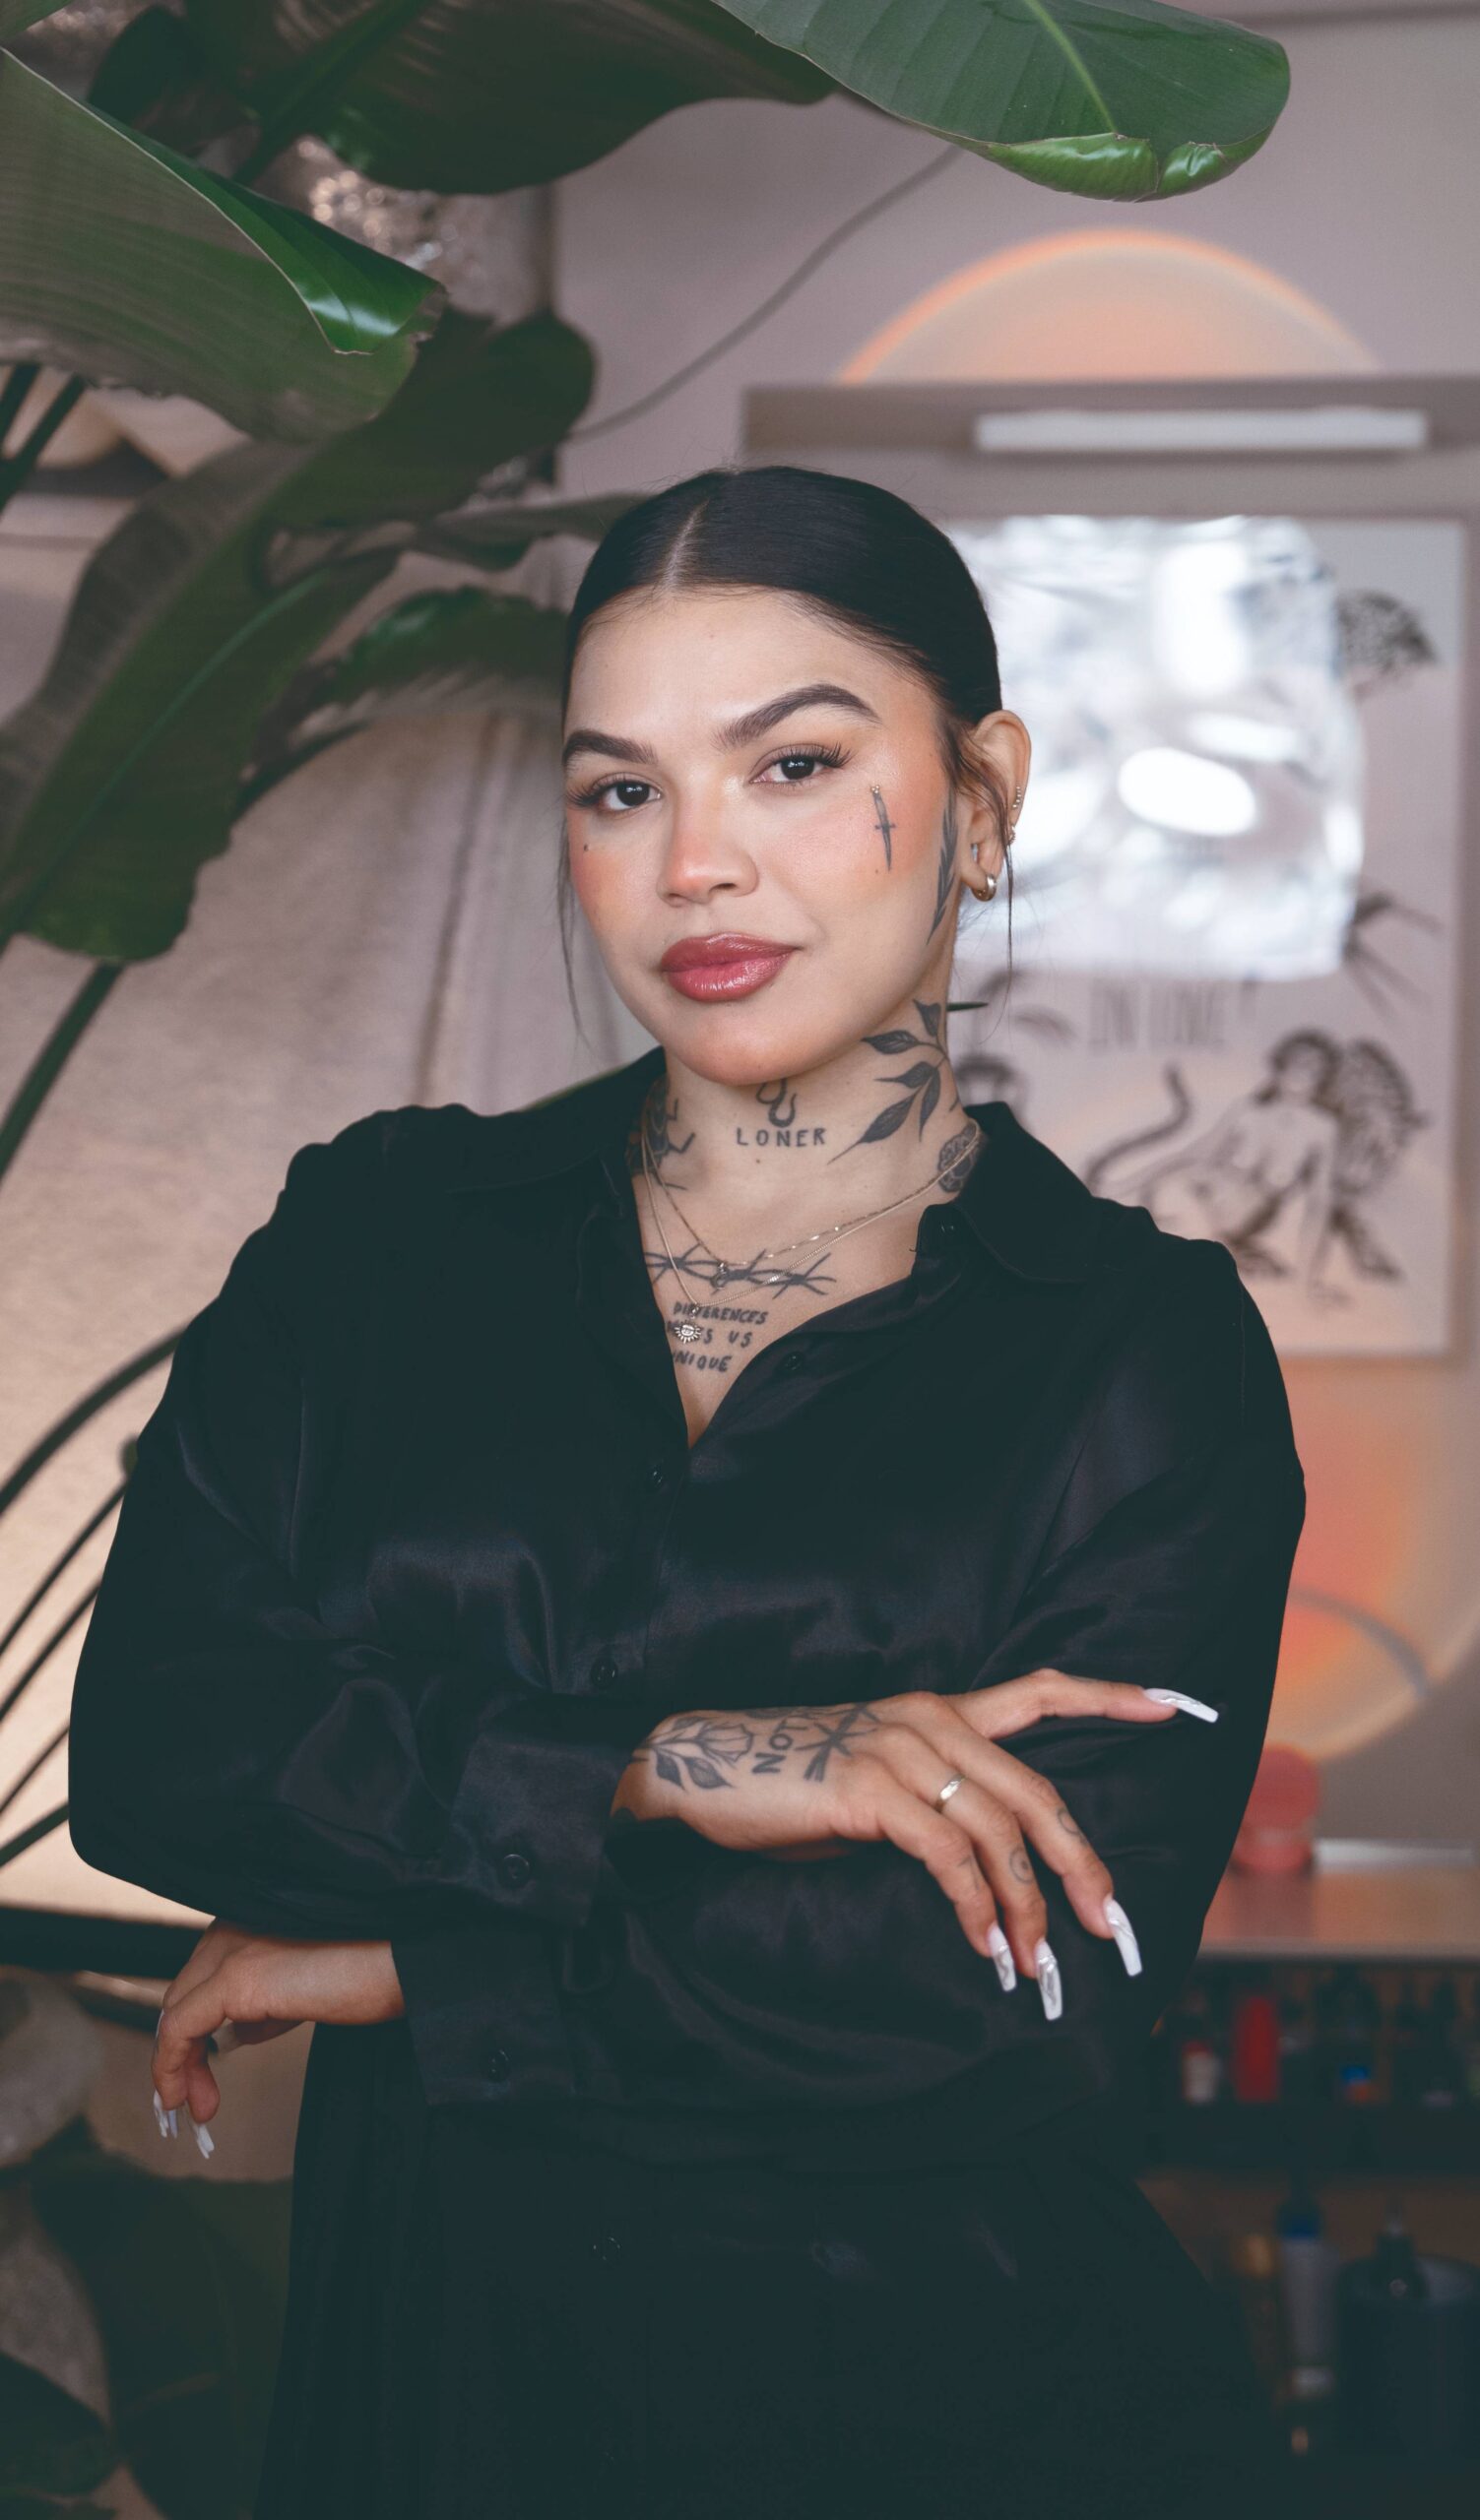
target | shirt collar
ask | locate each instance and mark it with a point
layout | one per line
(1026, 1206)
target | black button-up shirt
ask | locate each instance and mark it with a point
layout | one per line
(416, 1551)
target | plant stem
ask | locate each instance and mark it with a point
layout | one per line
(59, 1565)
(17, 385)
(16, 470)
(25, 1838)
(52, 1057)
(77, 1414)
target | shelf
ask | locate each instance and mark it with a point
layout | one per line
(1424, 1914)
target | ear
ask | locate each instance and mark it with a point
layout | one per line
(1001, 748)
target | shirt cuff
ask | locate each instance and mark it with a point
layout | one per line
(482, 2006)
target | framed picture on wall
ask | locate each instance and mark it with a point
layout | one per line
(1233, 993)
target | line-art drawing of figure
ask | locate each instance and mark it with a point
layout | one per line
(1295, 1154)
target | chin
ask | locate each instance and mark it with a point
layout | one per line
(739, 1046)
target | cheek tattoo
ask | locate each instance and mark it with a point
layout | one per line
(885, 827)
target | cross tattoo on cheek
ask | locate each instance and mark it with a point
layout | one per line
(885, 827)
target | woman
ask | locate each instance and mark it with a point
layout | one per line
(569, 1615)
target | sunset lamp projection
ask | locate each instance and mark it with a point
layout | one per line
(1194, 806)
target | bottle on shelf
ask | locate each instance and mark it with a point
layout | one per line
(1309, 2264)
(1297, 2046)
(1200, 2067)
(1405, 2038)
(1254, 2057)
(1441, 2077)
(1353, 2024)
(1471, 2045)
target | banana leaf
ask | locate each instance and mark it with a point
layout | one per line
(1121, 99)
(483, 96)
(119, 778)
(498, 534)
(127, 264)
(447, 649)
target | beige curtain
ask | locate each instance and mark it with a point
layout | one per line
(382, 931)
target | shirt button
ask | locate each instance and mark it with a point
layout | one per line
(657, 1473)
(498, 2064)
(948, 1228)
(514, 1869)
(607, 2248)
(793, 1361)
(603, 1672)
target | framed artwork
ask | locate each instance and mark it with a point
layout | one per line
(1234, 895)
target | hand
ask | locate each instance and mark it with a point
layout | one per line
(785, 1779)
(261, 1987)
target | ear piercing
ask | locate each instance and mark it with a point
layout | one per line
(987, 887)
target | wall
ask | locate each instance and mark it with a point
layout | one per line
(1368, 198)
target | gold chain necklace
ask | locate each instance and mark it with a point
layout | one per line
(725, 1270)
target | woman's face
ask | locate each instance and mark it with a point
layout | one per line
(739, 767)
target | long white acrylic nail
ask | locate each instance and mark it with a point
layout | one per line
(202, 2137)
(173, 2116)
(1047, 1979)
(161, 2121)
(1002, 1952)
(1189, 1705)
(1126, 1942)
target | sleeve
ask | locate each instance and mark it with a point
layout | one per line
(232, 1750)
(849, 1982)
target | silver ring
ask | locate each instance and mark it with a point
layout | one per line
(947, 1790)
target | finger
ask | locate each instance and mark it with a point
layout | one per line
(1050, 1826)
(182, 2076)
(945, 1848)
(993, 1832)
(1012, 1705)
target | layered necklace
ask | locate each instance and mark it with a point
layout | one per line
(723, 1271)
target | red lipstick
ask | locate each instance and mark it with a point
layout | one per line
(725, 965)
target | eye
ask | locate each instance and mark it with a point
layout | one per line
(800, 761)
(615, 795)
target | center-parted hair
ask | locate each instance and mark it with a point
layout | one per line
(865, 559)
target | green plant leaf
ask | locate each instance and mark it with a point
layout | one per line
(50, 2442)
(131, 265)
(119, 778)
(481, 96)
(1121, 99)
(446, 649)
(17, 15)
(189, 2279)
(498, 534)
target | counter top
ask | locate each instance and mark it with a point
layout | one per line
(1367, 1902)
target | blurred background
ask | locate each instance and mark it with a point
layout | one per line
(310, 410)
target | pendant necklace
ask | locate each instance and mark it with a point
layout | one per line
(689, 1330)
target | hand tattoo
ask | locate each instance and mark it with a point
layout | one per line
(696, 1749)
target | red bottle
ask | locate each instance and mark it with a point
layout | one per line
(1253, 2049)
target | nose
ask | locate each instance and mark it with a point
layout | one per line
(700, 857)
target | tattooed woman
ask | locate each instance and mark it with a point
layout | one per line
(713, 1633)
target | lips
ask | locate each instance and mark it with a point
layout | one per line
(697, 953)
(726, 965)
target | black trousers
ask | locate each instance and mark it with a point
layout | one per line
(617, 2341)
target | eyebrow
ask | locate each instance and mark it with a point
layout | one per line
(741, 730)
